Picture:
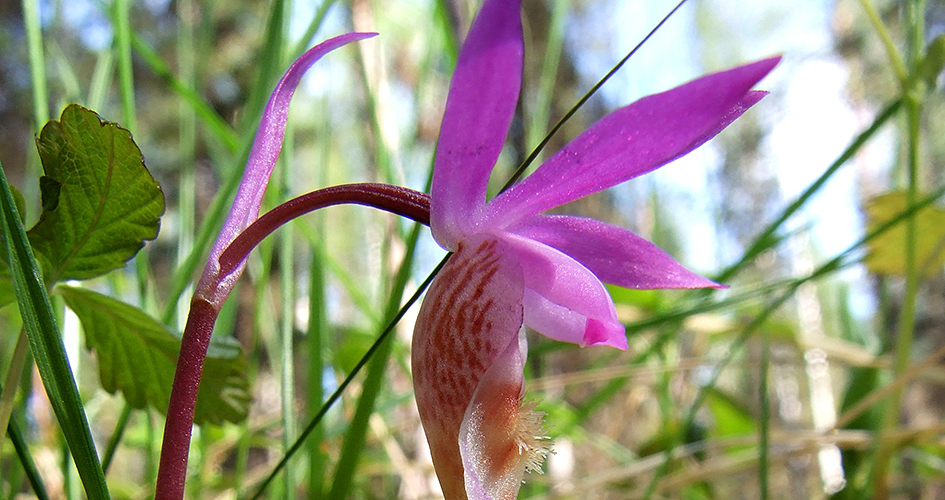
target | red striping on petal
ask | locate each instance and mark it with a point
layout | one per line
(470, 313)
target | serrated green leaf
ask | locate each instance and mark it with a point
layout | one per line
(137, 355)
(100, 203)
(887, 251)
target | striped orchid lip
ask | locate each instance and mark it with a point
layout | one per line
(514, 266)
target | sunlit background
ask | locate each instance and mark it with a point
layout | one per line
(621, 422)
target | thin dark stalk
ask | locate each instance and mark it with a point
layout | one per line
(335, 396)
(520, 171)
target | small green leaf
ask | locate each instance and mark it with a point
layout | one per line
(100, 203)
(137, 355)
(887, 254)
(731, 417)
(933, 62)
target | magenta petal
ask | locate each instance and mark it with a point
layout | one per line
(259, 165)
(482, 99)
(613, 253)
(563, 299)
(489, 438)
(634, 140)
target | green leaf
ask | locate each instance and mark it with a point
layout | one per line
(933, 62)
(46, 345)
(732, 418)
(137, 355)
(887, 252)
(100, 203)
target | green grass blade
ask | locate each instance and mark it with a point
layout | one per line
(46, 346)
(26, 459)
(213, 218)
(763, 241)
(112, 446)
(287, 295)
(312, 28)
(34, 41)
(219, 129)
(335, 396)
(830, 266)
(317, 335)
(353, 444)
(101, 77)
(126, 80)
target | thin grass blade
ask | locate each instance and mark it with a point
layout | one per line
(47, 348)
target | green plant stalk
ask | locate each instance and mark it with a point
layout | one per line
(219, 129)
(317, 334)
(101, 75)
(34, 43)
(335, 396)
(905, 327)
(26, 460)
(441, 13)
(46, 346)
(762, 242)
(187, 120)
(318, 326)
(895, 58)
(354, 440)
(764, 431)
(112, 446)
(14, 372)
(125, 73)
(287, 324)
(538, 123)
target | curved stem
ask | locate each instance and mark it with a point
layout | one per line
(172, 473)
(397, 200)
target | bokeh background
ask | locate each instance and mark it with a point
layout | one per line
(748, 392)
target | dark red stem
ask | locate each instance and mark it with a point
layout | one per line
(398, 200)
(172, 473)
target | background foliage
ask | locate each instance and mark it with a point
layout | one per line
(817, 373)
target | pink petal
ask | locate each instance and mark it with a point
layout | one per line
(469, 316)
(613, 253)
(489, 436)
(632, 141)
(482, 99)
(563, 299)
(262, 158)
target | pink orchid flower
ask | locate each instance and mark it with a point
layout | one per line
(513, 266)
